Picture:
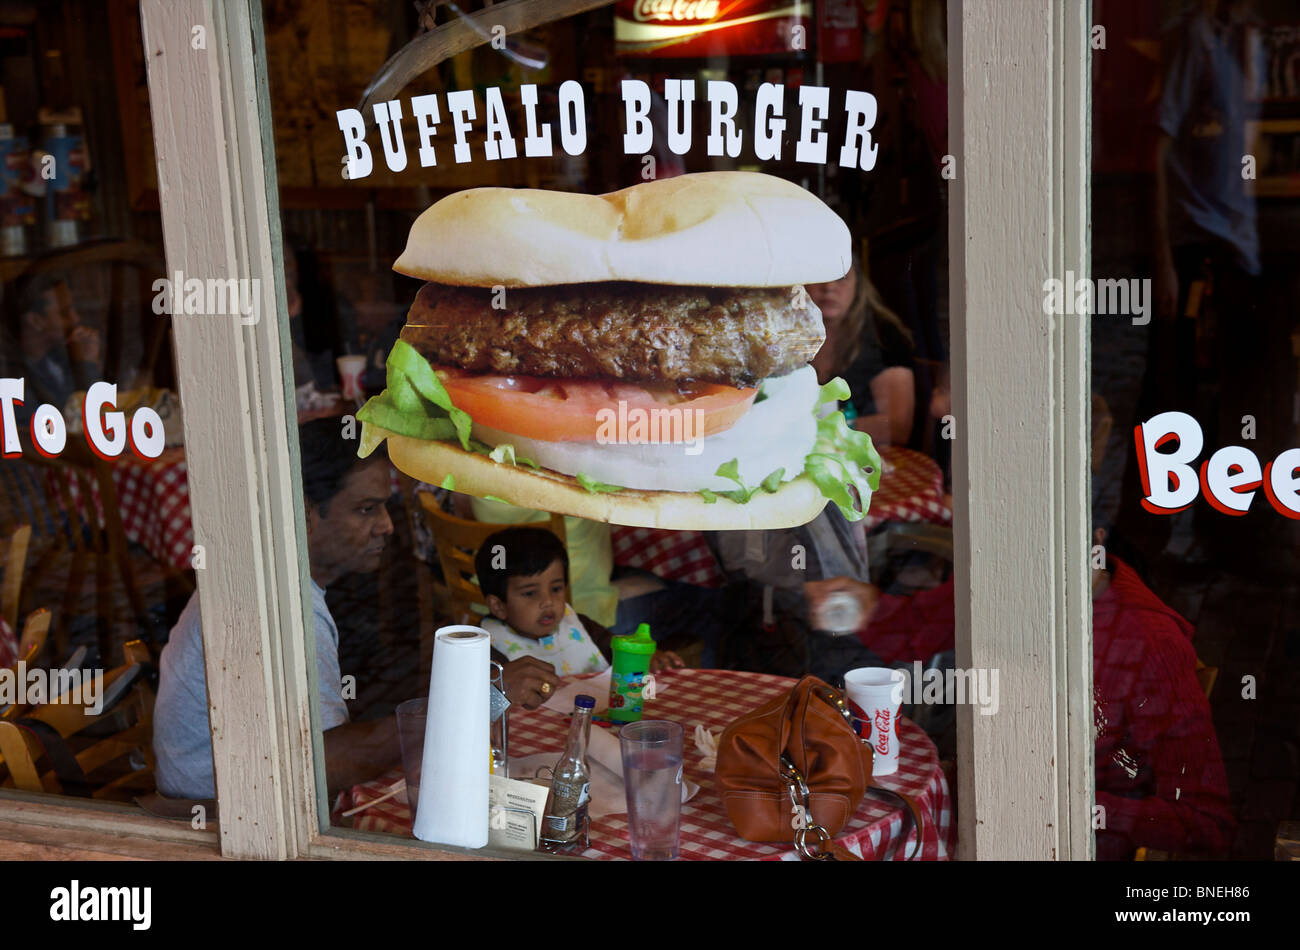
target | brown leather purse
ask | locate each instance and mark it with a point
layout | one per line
(794, 770)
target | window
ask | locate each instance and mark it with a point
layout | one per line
(1194, 418)
(546, 110)
(95, 505)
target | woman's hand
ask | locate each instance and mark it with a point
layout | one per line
(816, 594)
(529, 681)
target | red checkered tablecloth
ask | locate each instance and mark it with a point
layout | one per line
(673, 555)
(911, 489)
(714, 698)
(154, 498)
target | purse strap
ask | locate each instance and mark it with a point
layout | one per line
(811, 840)
(822, 847)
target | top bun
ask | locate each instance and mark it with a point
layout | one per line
(721, 229)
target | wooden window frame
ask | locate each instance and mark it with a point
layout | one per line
(1020, 395)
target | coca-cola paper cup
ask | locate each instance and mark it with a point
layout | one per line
(350, 369)
(875, 694)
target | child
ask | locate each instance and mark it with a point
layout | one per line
(523, 573)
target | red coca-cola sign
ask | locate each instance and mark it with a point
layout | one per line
(689, 10)
(700, 28)
(882, 726)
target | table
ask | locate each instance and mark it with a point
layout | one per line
(714, 698)
(911, 489)
(673, 555)
(154, 498)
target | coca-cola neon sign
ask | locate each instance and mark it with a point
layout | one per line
(710, 27)
(644, 11)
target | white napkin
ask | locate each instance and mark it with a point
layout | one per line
(605, 762)
(706, 743)
(596, 686)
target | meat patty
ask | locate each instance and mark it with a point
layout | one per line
(617, 330)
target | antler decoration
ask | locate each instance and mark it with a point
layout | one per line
(466, 32)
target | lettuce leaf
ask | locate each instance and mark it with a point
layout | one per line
(844, 465)
(595, 487)
(505, 452)
(842, 457)
(415, 403)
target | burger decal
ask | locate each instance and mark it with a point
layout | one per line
(638, 358)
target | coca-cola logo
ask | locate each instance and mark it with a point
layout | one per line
(882, 731)
(659, 10)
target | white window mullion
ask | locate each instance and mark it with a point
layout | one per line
(218, 207)
(1018, 114)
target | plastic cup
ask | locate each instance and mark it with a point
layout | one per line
(631, 664)
(350, 370)
(875, 694)
(410, 735)
(652, 778)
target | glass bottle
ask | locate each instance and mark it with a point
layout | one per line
(565, 826)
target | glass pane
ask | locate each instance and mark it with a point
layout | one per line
(573, 342)
(94, 505)
(1195, 172)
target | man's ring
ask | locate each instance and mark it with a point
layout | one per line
(546, 689)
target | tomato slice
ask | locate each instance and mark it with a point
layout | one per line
(569, 410)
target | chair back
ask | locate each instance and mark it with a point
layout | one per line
(1206, 675)
(15, 563)
(112, 282)
(79, 523)
(457, 540)
(126, 716)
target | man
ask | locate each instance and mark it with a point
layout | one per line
(59, 354)
(1213, 350)
(1160, 775)
(347, 527)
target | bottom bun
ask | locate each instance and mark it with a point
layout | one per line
(796, 502)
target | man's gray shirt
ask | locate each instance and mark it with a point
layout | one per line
(182, 741)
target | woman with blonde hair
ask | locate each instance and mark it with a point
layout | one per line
(868, 345)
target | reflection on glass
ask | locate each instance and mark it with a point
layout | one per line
(727, 610)
(1193, 377)
(95, 525)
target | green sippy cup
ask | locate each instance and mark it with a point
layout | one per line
(631, 664)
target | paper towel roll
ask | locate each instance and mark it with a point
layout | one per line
(453, 806)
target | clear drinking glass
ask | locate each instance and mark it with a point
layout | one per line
(410, 734)
(652, 776)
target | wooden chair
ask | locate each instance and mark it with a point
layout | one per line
(35, 630)
(456, 540)
(117, 276)
(1206, 675)
(128, 722)
(15, 563)
(73, 533)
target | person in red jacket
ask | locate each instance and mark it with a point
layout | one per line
(1160, 774)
